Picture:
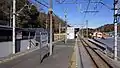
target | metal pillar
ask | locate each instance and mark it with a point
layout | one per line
(50, 12)
(10, 23)
(115, 27)
(13, 38)
(82, 32)
(86, 28)
(65, 32)
(59, 29)
(46, 24)
(65, 13)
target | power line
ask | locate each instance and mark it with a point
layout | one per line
(42, 4)
(96, 6)
(60, 2)
(86, 9)
(91, 11)
(106, 5)
(99, 2)
(45, 2)
(74, 2)
(66, 2)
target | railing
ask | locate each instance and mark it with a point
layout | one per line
(59, 36)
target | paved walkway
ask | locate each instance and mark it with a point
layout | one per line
(60, 59)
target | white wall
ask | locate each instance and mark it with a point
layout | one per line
(24, 44)
(70, 33)
(5, 48)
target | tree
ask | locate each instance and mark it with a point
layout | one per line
(4, 10)
(27, 15)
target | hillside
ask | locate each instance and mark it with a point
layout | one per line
(107, 28)
(28, 17)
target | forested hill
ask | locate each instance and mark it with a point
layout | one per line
(108, 27)
(29, 16)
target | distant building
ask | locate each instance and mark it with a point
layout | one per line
(100, 35)
(97, 34)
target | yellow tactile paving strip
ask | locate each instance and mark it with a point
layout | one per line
(72, 63)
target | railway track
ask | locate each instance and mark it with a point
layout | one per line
(96, 58)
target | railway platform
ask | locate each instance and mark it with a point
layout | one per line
(61, 58)
(78, 53)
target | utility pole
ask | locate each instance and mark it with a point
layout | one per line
(79, 29)
(50, 12)
(13, 38)
(46, 23)
(10, 23)
(82, 31)
(65, 13)
(59, 29)
(87, 28)
(115, 26)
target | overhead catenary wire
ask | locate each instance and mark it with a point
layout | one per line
(45, 2)
(99, 2)
(45, 6)
(96, 6)
(66, 2)
(106, 5)
(42, 4)
(87, 9)
(60, 2)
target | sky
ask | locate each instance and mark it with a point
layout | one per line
(76, 15)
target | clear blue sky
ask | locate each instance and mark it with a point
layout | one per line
(75, 12)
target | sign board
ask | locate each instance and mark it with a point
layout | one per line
(70, 32)
(19, 35)
(44, 49)
(43, 39)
